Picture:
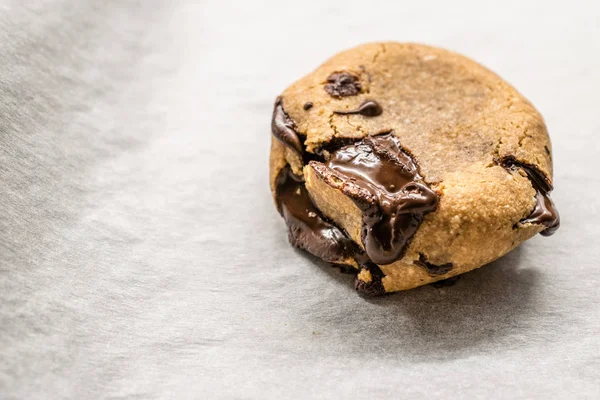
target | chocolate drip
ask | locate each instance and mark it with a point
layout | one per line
(282, 127)
(368, 108)
(545, 211)
(306, 227)
(397, 196)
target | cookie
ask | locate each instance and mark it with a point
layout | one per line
(409, 163)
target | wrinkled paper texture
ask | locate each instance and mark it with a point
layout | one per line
(141, 255)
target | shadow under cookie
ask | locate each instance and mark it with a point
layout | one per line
(485, 309)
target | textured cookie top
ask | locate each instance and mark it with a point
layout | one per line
(447, 110)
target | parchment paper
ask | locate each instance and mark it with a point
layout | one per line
(140, 252)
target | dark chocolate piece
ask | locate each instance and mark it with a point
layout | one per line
(397, 197)
(308, 106)
(545, 211)
(342, 84)
(306, 227)
(368, 108)
(373, 288)
(283, 128)
(433, 269)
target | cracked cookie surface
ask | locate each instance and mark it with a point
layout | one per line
(450, 167)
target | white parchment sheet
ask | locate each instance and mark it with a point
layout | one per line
(141, 256)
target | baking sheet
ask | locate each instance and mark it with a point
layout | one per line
(140, 252)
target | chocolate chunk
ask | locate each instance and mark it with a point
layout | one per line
(283, 128)
(308, 106)
(307, 228)
(368, 108)
(375, 286)
(389, 191)
(545, 211)
(431, 268)
(342, 84)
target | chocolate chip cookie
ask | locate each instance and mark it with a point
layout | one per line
(409, 163)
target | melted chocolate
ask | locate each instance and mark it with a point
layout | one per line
(333, 145)
(368, 108)
(342, 84)
(306, 227)
(545, 211)
(433, 269)
(398, 198)
(307, 106)
(282, 127)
